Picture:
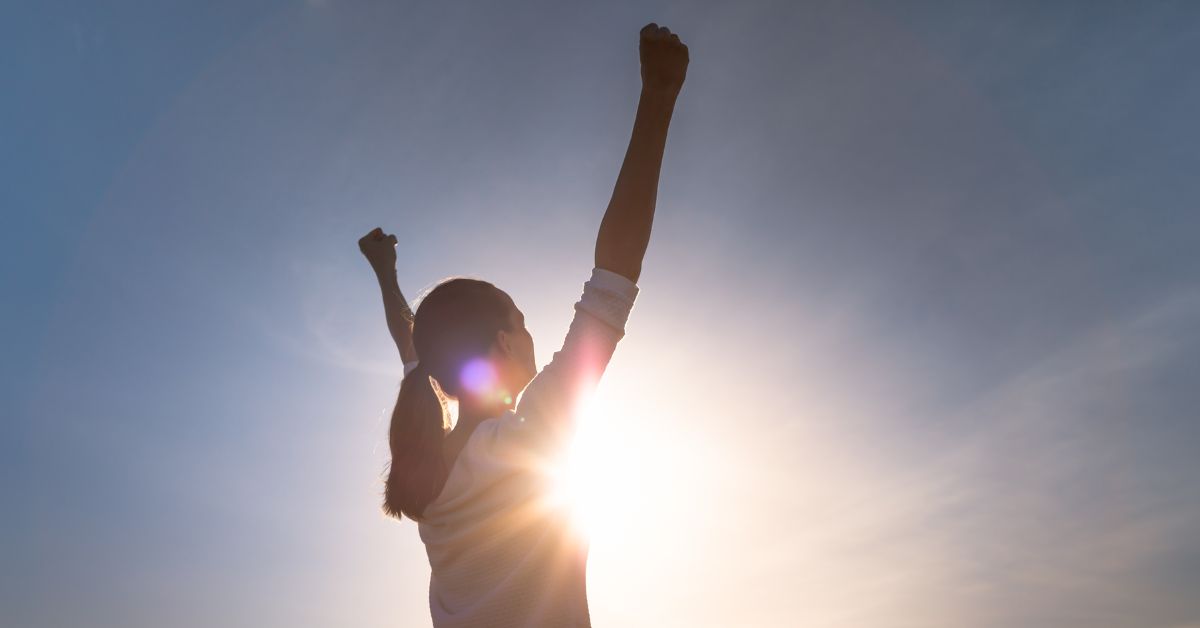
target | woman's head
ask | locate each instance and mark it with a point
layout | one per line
(472, 346)
(471, 338)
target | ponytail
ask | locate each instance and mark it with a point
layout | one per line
(417, 472)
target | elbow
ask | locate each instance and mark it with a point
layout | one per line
(623, 258)
(627, 266)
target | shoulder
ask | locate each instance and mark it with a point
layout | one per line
(510, 440)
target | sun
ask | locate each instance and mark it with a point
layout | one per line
(602, 477)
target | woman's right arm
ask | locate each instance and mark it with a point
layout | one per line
(625, 229)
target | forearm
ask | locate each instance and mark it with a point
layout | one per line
(399, 316)
(625, 229)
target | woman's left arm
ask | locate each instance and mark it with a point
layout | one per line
(380, 250)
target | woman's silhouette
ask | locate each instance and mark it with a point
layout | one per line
(502, 552)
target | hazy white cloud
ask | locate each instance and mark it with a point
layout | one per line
(1052, 509)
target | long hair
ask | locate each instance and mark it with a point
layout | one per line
(455, 323)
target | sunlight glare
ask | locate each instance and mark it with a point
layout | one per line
(603, 478)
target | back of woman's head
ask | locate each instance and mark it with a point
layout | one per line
(455, 323)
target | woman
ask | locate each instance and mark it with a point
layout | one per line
(502, 552)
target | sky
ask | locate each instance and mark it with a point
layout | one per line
(916, 344)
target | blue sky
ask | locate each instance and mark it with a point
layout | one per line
(916, 343)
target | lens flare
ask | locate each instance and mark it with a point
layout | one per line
(478, 377)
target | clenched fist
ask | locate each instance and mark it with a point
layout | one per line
(664, 59)
(380, 250)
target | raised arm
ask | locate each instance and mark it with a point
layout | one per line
(552, 399)
(380, 250)
(625, 229)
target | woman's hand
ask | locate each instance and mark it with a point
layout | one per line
(380, 250)
(664, 59)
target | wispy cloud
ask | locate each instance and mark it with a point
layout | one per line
(1058, 508)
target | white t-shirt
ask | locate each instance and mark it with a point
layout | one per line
(501, 549)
